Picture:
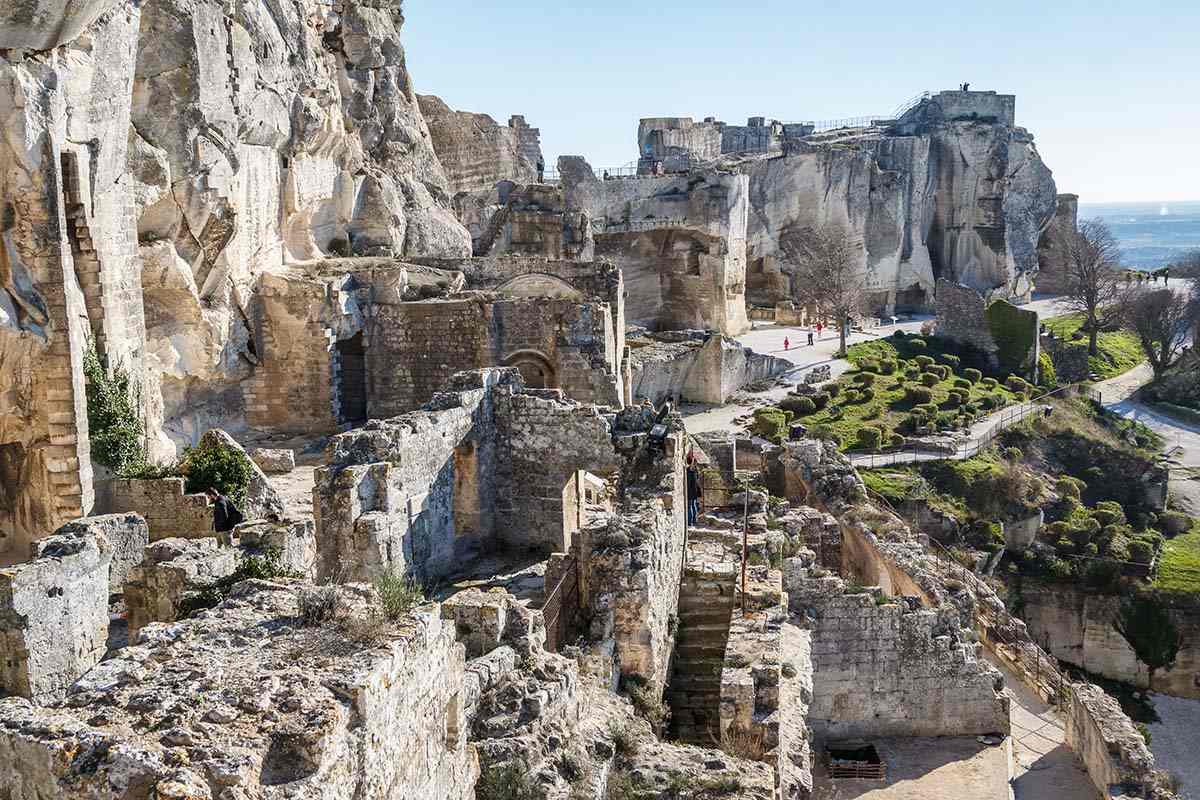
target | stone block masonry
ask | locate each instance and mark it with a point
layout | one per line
(890, 668)
(53, 615)
(174, 570)
(264, 707)
(169, 513)
(1110, 746)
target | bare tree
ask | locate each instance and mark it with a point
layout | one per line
(1162, 320)
(1093, 281)
(828, 272)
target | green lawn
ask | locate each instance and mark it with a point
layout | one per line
(1180, 567)
(1119, 350)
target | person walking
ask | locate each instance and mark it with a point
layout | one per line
(787, 343)
(810, 338)
(820, 327)
(226, 515)
(694, 489)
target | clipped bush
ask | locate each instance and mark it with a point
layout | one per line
(226, 469)
(799, 406)
(924, 361)
(866, 395)
(869, 438)
(820, 399)
(953, 400)
(1055, 531)
(953, 360)
(1015, 383)
(887, 366)
(917, 343)
(868, 365)
(1071, 488)
(865, 378)
(1141, 551)
(926, 410)
(1174, 523)
(989, 383)
(1013, 454)
(912, 373)
(918, 394)
(770, 423)
(834, 389)
(972, 375)
(971, 408)
(1108, 513)
(962, 383)
(898, 334)
(988, 402)
(929, 379)
(851, 396)
(1047, 375)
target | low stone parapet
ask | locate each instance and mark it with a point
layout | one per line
(168, 511)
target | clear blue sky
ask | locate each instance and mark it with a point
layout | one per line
(1111, 90)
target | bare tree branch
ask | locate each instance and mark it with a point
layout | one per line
(1093, 282)
(827, 272)
(1162, 320)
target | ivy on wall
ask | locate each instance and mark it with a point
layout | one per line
(1015, 332)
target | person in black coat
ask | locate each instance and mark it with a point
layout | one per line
(226, 515)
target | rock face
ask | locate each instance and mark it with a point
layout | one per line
(476, 151)
(951, 190)
(157, 160)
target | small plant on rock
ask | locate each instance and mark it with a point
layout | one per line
(399, 594)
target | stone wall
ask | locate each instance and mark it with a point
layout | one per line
(1070, 360)
(1111, 748)
(962, 317)
(698, 372)
(1076, 625)
(174, 571)
(1052, 276)
(169, 513)
(680, 242)
(124, 536)
(282, 705)
(53, 615)
(892, 668)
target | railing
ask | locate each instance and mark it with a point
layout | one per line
(860, 770)
(638, 225)
(1008, 417)
(911, 104)
(561, 606)
(823, 125)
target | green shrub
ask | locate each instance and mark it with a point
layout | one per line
(988, 402)
(971, 408)
(1047, 375)
(1141, 551)
(941, 370)
(1108, 513)
(225, 469)
(961, 383)
(929, 379)
(834, 389)
(506, 782)
(972, 375)
(896, 440)
(887, 366)
(869, 438)
(820, 399)
(866, 395)
(916, 343)
(869, 365)
(1013, 454)
(926, 410)
(918, 394)
(800, 406)
(1069, 487)
(953, 400)
(1056, 530)
(114, 424)
(1174, 523)
(850, 396)
(924, 361)
(770, 423)
(951, 359)
(399, 594)
(963, 395)
(1015, 383)
(989, 383)
(898, 334)
(865, 378)
(912, 373)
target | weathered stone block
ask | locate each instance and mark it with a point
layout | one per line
(273, 461)
(173, 569)
(126, 535)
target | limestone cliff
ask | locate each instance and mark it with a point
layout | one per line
(952, 189)
(156, 159)
(476, 151)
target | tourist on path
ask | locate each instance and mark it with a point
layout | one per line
(787, 343)
(693, 489)
(810, 338)
(226, 516)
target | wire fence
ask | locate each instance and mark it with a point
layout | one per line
(975, 445)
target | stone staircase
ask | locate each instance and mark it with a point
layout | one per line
(706, 599)
(499, 219)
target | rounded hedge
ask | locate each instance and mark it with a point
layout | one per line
(918, 394)
(887, 366)
(953, 360)
(870, 438)
(834, 389)
(960, 383)
(865, 378)
(868, 365)
(800, 406)
(929, 379)
(866, 395)
(923, 361)
(820, 399)
(850, 395)
(972, 375)
(989, 383)
(917, 343)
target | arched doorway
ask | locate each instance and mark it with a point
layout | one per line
(535, 369)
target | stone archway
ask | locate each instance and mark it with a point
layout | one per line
(539, 285)
(537, 370)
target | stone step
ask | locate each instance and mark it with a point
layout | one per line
(700, 630)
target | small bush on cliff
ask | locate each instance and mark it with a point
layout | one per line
(1070, 487)
(1146, 624)
(869, 438)
(399, 594)
(887, 366)
(929, 379)
(800, 406)
(114, 424)
(820, 399)
(923, 361)
(916, 343)
(1047, 375)
(771, 423)
(865, 378)
(225, 469)
(989, 383)
(505, 782)
(952, 360)
(869, 365)
(972, 375)
(918, 395)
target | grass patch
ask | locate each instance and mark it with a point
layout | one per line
(1119, 350)
(1179, 570)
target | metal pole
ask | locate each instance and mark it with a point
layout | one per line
(745, 538)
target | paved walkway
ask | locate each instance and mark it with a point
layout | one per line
(1044, 767)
